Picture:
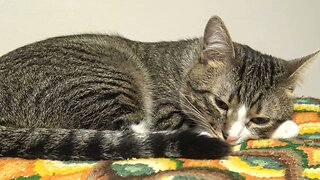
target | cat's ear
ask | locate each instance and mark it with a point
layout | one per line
(218, 46)
(296, 66)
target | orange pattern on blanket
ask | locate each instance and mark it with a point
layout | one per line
(262, 143)
(11, 168)
(305, 117)
(15, 167)
(78, 175)
(202, 163)
(313, 155)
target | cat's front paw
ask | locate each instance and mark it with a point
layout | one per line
(287, 129)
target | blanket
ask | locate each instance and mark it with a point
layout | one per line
(255, 159)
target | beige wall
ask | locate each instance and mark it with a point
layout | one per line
(286, 28)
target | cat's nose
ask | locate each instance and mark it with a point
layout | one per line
(229, 138)
(232, 139)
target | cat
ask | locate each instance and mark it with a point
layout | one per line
(95, 96)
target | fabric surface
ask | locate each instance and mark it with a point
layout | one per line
(255, 159)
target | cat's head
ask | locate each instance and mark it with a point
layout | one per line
(238, 92)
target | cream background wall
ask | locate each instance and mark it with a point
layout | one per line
(286, 28)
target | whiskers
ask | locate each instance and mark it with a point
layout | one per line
(199, 117)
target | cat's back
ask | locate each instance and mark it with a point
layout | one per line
(67, 55)
(90, 44)
(65, 79)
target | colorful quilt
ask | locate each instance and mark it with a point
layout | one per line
(297, 158)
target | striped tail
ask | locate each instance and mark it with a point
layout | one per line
(80, 144)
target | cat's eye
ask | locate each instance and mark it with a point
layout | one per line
(260, 120)
(221, 104)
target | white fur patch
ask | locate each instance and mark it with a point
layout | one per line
(141, 128)
(242, 113)
(238, 126)
(203, 133)
(288, 129)
(245, 135)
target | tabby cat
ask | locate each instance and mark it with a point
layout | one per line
(94, 96)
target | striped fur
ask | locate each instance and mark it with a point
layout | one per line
(81, 144)
(91, 96)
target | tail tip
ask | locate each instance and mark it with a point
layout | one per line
(197, 146)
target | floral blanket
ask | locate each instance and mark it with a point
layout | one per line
(255, 159)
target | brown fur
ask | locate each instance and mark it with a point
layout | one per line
(106, 97)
